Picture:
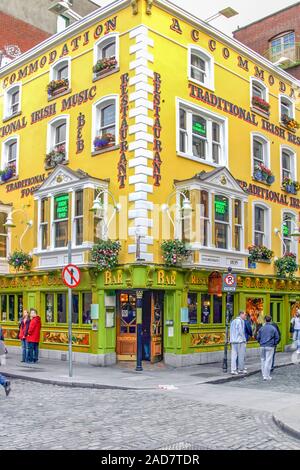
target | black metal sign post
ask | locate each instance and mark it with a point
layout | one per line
(229, 286)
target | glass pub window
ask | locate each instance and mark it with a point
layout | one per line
(204, 216)
(11, 307)
(192, 307)
(61, 308)
(86, 307)
(44, 224)
(221, 221)
(49, 308)
(3, 235)
(199, 137)
(61, 220)
(79, 217)
(205, 308)
(237, 224)
(217, 303)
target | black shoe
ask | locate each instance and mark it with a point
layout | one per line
(7, 388)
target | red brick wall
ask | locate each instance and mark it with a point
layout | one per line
(257, 35)
(17, 32)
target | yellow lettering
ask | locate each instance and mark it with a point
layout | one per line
(173, 279)
(120, 277)
(107, 277)
(160, 277)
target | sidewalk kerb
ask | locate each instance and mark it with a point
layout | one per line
(285, 428)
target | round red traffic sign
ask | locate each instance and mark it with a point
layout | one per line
(71, 275)
(229, 280)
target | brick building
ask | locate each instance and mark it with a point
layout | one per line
(276, 37)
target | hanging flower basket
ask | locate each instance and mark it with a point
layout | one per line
(20, 260)
(105, 254)
(263, 174)
(8, 172)
(286, 266)
(55, 87)
(289, 122)
(259, 253)
(104, 65)
(174, 252)
(106, 140)
(290, 186)
(263, 105)
(56, 157)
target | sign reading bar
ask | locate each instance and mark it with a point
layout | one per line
(62, 206)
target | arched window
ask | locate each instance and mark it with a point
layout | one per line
(10, 156)
(289, 244)
(261, 225)
(283, 45)
(288, 164)
(12, 101)
(259, 96)
(60, 77)
(57, 141)
(287, 107)
(106, 55)
(201, 67)
(260, 154)
(105, 123)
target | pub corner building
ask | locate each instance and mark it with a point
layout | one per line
(141, 124)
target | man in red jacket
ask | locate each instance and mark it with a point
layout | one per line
(33, 336)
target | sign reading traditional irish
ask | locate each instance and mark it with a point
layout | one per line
(71, 275)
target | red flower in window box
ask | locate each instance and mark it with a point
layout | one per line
(261, 104)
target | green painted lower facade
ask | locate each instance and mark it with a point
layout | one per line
(192, 319)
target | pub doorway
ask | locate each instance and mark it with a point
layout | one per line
(152, 326)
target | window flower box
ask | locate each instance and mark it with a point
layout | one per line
(8, 172)
(104, 65)
(263, 174)
(55, 87)
(290, 123)
(261, 104)
(56, 157)
(290, 186)
(104, 141)
(286, 266)
(259, 253)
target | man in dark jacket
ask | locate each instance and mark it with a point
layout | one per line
(267, 337)
(279, 334)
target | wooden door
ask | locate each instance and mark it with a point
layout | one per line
(157, 299)
(126, 327)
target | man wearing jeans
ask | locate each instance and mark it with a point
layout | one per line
(238, 344)
(5, 383)
(267, 337)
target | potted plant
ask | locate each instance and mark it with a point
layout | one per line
(8, 172)
(20, 260)
(103, 65)
(290, 186)
(264, 174)
(174, 252)
(286, 266)
(259, 253)
(260, 103)
(56, 156)
(55, 87)
(289, 122)
(105, 254)
(106, 140)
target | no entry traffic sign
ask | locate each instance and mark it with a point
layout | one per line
(71, 275)
(229, 282)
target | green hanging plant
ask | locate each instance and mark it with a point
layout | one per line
(20, 260)
(174, 252)
(286, 266)
(105, 254)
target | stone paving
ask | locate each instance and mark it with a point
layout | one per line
(40, 416)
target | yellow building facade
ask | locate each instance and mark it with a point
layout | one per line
(152, 111)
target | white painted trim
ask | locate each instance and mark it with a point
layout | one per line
(55, 65)
(293, 154)
(95, 109)
(102, 42)
(4, 159)
(294, 239)
(50, 132)
(266, 149)
(208, 59)
(261, 84)
(137, 179)
(267, 222)
(6, 99)
(291, 101)
(138, 196)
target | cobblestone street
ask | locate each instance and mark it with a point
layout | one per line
(67, 418)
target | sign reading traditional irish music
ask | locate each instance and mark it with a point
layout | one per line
(62, 206)
(71, 275)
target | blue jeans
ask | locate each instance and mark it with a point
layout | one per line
(147, 350)
(24, 345)
(296, 338)
(32, 352)
(3, 380)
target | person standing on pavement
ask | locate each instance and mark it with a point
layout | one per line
(33, 336)
(267, 337)
(3, 381)
(279, 339)
(23, 331)
(295, 324)
(5, 384)
(238, 344)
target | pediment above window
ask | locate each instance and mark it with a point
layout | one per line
(63, 178)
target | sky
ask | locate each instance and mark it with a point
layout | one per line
(249, 10)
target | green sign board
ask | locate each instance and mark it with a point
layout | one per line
(221, 207)
(62, 206)
(285, 230)
(199, 128)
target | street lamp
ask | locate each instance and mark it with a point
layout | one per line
(227, 12)
(296, 233)
(10, 224)
(98, 205)
(186, 208)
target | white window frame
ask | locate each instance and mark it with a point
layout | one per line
(292, 153)
(281, 36)
(42, 224)
(54, 69)
(291, 102)
(6, 210)
(51, 132)
(209, 61)
(190, 108)
(294, 242)
(102, 42)
(5, 144)
(7, 101)
(267, 223)
(262, 85)
(106, 100)
(266, 150)
(76, 217)
(228, 224)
